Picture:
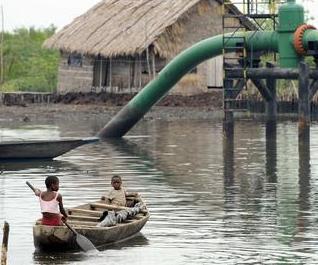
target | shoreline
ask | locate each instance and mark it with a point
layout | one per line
(205, 106)
(171, 107)
(38, 112)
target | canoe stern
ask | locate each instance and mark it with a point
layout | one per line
(53, 238)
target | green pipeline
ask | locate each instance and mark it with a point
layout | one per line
(125, 119)
(290, 16)
(310, 35)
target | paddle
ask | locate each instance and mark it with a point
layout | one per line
(84, 243)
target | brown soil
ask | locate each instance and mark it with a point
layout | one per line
(171, 107)
(211, 99)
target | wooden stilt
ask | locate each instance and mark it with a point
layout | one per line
(5, 239)
(153, 65)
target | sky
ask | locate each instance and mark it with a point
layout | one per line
(43, 13)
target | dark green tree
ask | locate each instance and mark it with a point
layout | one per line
(26, 65)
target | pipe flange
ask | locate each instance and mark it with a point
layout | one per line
(298, 38)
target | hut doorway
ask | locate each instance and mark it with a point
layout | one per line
(102, 73)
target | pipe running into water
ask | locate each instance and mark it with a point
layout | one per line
(127, 117)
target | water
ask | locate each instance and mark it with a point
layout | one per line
(249, 201)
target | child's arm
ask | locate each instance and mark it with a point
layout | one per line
(106, 199)
(62, 210)
(36, 191)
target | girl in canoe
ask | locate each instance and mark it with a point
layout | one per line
(51, 203)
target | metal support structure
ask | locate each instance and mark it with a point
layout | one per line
(313, 89)
(262, 88)
(228, 158)
(233, 55)
(304, 169)
(262, 16)
(303, 98)
(277, 73)
(271, 151)
(228, 124)
(271, 104)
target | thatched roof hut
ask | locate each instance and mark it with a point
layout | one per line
(120, 45)
(127, 27)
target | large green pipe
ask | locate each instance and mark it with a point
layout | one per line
(126, 118)
(290, 16)
(310, 35)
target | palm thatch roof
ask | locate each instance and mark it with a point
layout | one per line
(122, 27)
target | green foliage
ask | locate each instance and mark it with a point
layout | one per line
(26, 65)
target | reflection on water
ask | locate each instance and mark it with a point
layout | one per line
(271, 151)
(28, 132)
(44, 258)
(40, 165)
(248, 198)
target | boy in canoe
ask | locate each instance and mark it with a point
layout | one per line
(51, 203)
(117, 195)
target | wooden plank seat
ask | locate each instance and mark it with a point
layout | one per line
(95, 206)
(84, 218)
(85, 212)
(81, 223)
(107, 206)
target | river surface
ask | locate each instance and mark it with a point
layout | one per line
(252, 199)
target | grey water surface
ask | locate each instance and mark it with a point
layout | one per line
(247, 201)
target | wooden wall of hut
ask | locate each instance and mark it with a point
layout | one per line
(75, 73)
(126, 74)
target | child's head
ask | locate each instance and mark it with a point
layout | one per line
(116, 182)
(52, 183)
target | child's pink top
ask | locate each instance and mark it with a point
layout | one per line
(51, 206)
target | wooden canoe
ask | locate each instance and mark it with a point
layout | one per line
(39, 149)
(84, 219)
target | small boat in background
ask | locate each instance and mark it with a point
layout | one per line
(85, 219)
(40, 149)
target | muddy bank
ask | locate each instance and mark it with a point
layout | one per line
(212, 99)
(92, 105)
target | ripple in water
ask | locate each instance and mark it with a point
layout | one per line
(249, 201)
